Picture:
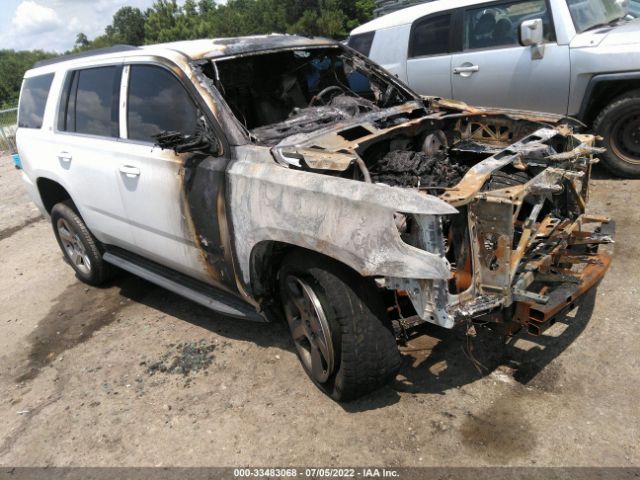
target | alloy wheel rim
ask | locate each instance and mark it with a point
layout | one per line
(309, 329)
(73, 247)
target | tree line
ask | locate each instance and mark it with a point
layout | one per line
(12, 67)
(167, 21)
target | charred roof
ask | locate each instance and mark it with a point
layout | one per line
(223, 47)
(201, 49)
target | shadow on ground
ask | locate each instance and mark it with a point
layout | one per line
(600, 172)
(434, 362)
(441, 360)
(73, 317)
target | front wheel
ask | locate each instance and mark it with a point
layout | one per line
(339, 326)
(619, 126)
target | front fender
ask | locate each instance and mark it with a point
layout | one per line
(343, 219)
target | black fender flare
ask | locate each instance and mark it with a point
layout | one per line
(595, 82)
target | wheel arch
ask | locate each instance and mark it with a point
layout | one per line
(52, 192)
(603, 89)
(266, 259)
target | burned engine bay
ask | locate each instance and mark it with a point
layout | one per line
(521, 249)
(279, 94)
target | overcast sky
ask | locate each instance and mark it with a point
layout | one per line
(53, 24)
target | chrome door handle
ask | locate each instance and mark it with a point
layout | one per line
(130, 171)
(466, 69)
(64, 157)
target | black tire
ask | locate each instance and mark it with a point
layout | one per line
(64, 217)
(619, 126)
(366, 355)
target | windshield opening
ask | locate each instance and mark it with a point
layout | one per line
(296, 91)
(589, 14)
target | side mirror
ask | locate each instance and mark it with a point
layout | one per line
(203, 141)
(532, 35)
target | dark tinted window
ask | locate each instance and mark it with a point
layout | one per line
(90, 102)
(96, 101)
(33, 99)
(499, 26)
(362, 42)
(158, 102)
(430, 36)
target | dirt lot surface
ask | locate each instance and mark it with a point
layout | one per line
(133, 375)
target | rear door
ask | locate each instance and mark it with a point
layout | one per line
(85, 150)
(429, 54)
(495, 70)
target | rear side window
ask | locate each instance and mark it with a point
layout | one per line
(362, 42)
(91, 102)
(430, 36)
(33, 99)
(158, 102)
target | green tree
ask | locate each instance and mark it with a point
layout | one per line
(127, 27)
(81, 41)
(166, 20)
(162, 22)
(358, 12)
(319, 17)
(12, 67)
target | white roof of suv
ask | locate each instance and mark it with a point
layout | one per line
(411, 14)
(193, 49)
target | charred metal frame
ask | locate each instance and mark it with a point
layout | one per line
(300, 200)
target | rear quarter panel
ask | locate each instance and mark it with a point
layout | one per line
(35, 146)
(389, 49)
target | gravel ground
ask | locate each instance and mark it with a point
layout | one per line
(133, 375)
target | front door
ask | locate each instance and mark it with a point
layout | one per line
(494, 70)
(154, 181)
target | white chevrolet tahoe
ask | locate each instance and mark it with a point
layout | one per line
(579, 58)
(287, 177)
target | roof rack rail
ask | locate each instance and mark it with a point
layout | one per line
(88, 53)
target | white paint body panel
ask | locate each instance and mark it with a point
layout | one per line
(509, 77)
(270, 202)
(430, 75)
(142, 214)
(154, 209)
(389, 50)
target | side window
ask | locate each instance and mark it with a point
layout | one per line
(90, 105)
(158, 102)
(499, 26)
(430, 36)
(33, 99)
(362, 42)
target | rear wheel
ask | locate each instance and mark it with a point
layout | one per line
(619, 126)
(339, 326)
(79, 246)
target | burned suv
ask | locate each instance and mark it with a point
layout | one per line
(282, 176)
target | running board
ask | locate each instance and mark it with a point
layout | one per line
(182, 285)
